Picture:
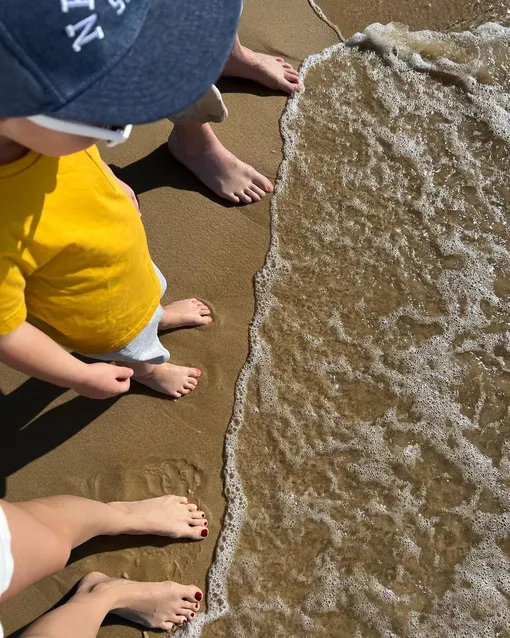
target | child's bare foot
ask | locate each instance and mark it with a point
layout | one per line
(274, 73)
(167, 515)
(153, 605)
(170, 379)
(197, 147)
(186, 312)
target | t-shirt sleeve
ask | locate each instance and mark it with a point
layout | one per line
(13, 310)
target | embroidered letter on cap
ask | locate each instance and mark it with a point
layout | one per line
(76, 4)
(118, 5)
(85, 32)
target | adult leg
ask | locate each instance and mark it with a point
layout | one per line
(154, 605)
(45, 530)
(272, 72)
(195, 145)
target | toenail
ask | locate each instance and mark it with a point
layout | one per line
(198, 596)
(204, 532)
(203, 515)
(205, 523)
(192, 614)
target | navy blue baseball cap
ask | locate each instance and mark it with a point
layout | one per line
(111, 61)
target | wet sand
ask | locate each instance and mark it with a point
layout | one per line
(142, 445)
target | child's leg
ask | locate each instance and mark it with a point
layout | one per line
(154, 605)
(45, 530)
(180, 314)
(167, 378)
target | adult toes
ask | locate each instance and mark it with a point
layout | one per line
(180, 619)
(187, 613)
(200, 532)
(290, 77)
(260, 191)
(246, 199)
(167, 626)
(193, 595)
(253, 195)
(264, 183)
(197, 516)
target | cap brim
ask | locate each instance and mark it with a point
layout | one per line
(180, 51)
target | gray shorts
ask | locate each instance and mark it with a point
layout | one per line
(146, 346)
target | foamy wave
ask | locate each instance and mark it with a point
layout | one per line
(414, 355)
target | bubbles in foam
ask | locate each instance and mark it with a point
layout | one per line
(374, 408)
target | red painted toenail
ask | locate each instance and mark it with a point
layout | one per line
(192, 615)
(203, 515)
(205, 523)
(198, 596)
(204, 532)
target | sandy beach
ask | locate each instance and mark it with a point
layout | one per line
(141, 445)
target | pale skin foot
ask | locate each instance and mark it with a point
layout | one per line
(186, 312)
(167, 378)
(196, 146)
(153, 605)
(272, 72)
(167, 515)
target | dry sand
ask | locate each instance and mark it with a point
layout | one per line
(141, 445)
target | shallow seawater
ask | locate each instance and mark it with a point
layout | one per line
(368, 462)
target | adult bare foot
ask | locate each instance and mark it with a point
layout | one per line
(186, 312)
(273, 73)
(153, 605)
(167, 378)
(196, 146)
(167, 515)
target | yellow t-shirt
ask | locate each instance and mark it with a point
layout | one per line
(74, 259)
